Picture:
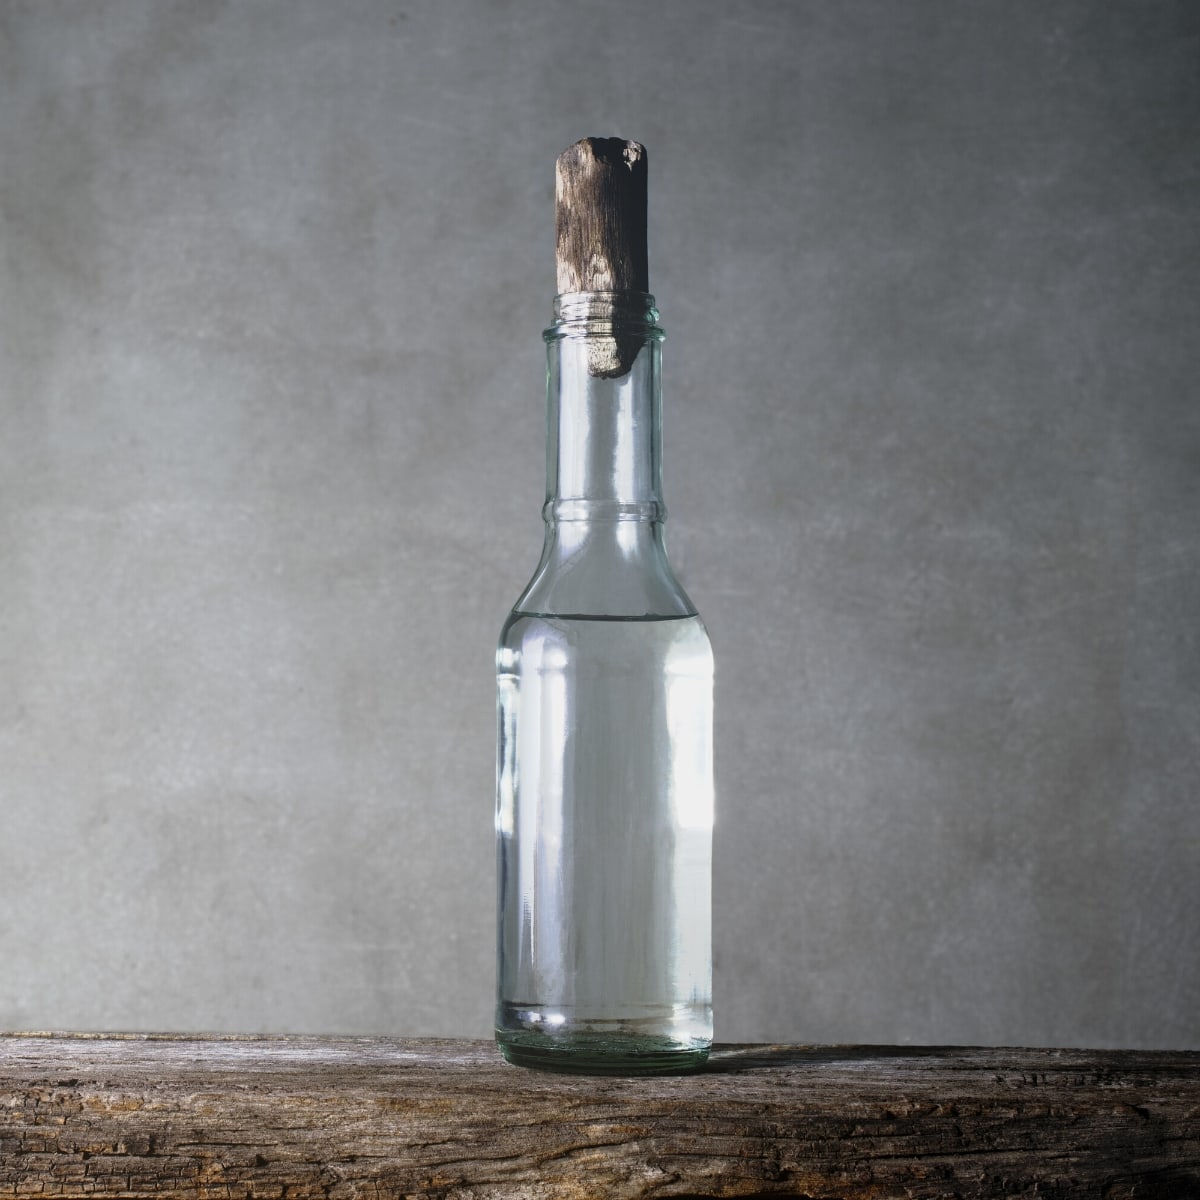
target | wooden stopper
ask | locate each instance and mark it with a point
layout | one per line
(600, 194)
(600, 226)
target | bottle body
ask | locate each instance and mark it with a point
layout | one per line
(604, 809)
(605, 837)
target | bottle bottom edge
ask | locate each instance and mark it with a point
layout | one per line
(587, 1053)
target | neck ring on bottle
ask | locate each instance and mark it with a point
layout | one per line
(601, 313)
(615, 324)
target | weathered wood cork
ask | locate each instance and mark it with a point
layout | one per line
(600, 225)
(600, 207)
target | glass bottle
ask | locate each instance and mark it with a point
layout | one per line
(604, 808)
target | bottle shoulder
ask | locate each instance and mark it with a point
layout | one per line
(619, 572)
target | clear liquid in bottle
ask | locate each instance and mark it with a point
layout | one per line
(604, 815)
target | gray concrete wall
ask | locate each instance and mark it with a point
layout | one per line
(272, 281)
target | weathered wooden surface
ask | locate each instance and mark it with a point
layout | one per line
(298, 1117)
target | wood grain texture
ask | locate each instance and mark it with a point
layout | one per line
(600, 216)
(600, 201)
(343, 1117)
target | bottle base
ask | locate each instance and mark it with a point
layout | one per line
(601, 1054)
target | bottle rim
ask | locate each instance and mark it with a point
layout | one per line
(601, 314)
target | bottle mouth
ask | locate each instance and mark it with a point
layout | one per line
(604, 314)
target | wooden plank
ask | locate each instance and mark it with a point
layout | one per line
(298, 1117)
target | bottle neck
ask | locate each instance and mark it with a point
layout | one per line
(604, 555)
(604, 409)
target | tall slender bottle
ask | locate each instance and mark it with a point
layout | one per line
(604, 793)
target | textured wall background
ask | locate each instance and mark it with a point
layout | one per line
(272, 281)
